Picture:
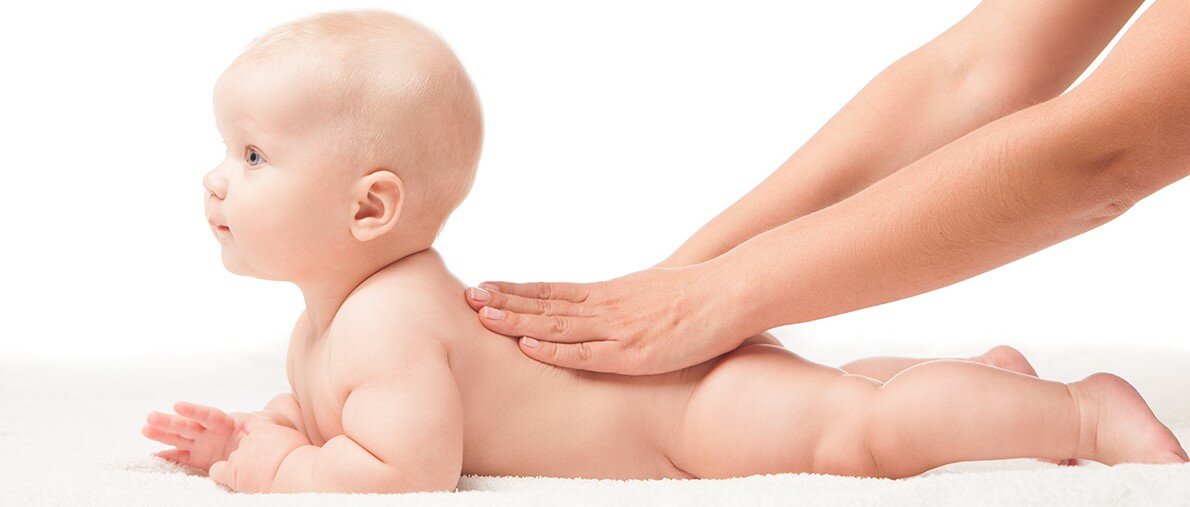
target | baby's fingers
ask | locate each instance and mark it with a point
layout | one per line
(175, 455)
(175, 424)
(167, 438)
(208, 417)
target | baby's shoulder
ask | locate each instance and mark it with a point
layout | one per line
(389, 320)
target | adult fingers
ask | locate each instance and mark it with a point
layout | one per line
(573, 292)
(175, 424)
(554, 328)
(604, 356)
(167, 438)
(478, 298)
(208, 417)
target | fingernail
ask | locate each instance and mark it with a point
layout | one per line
(480, 295)
(530, 342)
(493, 313)
(489, 286)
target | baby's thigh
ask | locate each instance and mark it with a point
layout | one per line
(760, 410)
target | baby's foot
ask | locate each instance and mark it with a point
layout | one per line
(1008, 358)
(1117, 426)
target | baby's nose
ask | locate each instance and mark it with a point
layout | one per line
(215, 183)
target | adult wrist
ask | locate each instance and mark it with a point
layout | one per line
(722, 300)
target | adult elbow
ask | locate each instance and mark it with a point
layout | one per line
(1114, 157)
(1112, 200)
(1111, 184)
(1122, 178)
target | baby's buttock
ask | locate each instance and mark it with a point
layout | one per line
(647, 417)
(751, 410)
(549, 421)
(661, 403)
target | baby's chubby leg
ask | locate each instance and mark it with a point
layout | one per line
(765, 410)
(942, 412)
(883, 368)
(1001, 356)
(946, 411)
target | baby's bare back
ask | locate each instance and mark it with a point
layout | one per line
(521, 417)
(528, 418)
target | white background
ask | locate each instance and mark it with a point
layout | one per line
(614, 130)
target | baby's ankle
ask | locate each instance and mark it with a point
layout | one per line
(1086, 411)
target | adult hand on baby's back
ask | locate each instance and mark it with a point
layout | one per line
(651, 321)
(201, 435)
(252, 467)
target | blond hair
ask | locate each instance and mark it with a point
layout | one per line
(409, 106)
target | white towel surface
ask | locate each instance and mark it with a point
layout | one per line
(70, 435)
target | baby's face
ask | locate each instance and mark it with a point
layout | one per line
(278, 202)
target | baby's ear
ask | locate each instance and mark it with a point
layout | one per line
(376, 204)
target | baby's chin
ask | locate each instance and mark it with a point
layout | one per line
(235, 263)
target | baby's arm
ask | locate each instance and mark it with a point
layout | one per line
(283, 409)
(402, 418)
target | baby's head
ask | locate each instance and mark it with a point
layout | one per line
(351, 137)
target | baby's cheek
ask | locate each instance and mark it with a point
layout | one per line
(291, 236)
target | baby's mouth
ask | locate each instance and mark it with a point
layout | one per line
(221, 231)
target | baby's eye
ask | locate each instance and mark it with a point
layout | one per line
(254, 157)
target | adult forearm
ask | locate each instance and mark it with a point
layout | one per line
(1010, 188)
(1005, 55)
(1014, 187)
(865, 140)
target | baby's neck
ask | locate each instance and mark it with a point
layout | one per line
(325, 293)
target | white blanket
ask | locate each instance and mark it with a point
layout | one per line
(70, 435)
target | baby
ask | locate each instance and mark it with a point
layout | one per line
(351, 137)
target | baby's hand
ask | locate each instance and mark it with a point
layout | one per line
(201, 435)
(253, 466)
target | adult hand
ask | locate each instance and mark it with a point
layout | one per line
(651, 321)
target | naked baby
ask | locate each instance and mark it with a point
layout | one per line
(351, 137)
